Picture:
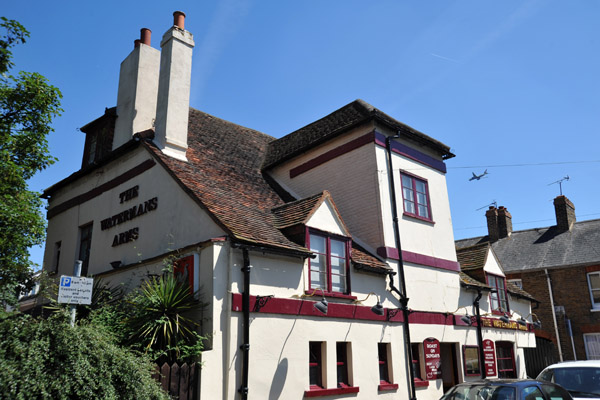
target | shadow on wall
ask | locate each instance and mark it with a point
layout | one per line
(279, 380)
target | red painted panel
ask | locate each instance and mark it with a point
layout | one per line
(431, 349)
(489, 357)
(388, 386)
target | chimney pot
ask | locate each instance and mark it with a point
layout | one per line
(136, 43)
(145, 35)
(179, 19)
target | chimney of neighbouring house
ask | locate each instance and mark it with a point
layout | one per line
(492, 223)
(138, 88)
(504, 223)
(173, 104)
(565, 213)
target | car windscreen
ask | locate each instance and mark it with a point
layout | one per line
(481, 392)
(580, 381)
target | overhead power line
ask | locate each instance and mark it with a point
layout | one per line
(526, 164)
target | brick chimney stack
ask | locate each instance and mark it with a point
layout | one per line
(173, 107)
(504, 223)
(138, 88)
(565, 213)
(492, 223)
(499, 223)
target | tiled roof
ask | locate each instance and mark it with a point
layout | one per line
(296, 212)
(337, 122)
(223, 174)
(540, 248)
(470, 281)
(473, 257)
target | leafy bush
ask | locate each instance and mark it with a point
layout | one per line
(49, 359)
(161, 321)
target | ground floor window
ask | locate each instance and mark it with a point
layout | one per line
(592, 345)
(416, 360)
(471, 360)
(341, 353)
(505, 358)
(315, 364)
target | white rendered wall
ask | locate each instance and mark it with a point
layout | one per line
(176, 222)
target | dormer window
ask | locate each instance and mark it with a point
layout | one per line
(329, 269)
(415, 193)
(499, 297)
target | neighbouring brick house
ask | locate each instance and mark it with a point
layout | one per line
(560, 266)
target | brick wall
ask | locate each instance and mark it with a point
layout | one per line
(570, 289)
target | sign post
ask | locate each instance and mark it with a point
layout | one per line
(75, 290)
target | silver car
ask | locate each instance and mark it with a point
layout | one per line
(580, 378)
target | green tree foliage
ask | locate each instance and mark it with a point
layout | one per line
(49, 359)
(161, 319)
(28, 103)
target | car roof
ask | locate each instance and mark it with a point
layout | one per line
(496, 382)
(576, 364)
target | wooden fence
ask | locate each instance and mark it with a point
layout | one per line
(181, 382)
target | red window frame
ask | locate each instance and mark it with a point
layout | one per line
(414, 198)
(492, 281)
(506, 349)
(328, 237)
(341, 363)
(185, 266)
(315, 365)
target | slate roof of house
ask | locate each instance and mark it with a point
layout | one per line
(223, 173)
(473, 258)
(339, 121)
(540, 248)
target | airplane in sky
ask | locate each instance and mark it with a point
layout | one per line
(478, 177)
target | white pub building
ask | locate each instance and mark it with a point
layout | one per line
(326, 257)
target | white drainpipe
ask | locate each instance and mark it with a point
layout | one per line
(560, 355)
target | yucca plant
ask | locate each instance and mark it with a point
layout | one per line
(160, 319)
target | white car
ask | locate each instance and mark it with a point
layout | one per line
(580, 378)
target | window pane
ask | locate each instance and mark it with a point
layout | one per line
(338, 248)
(409, 207)
(338, 283)
(338, 266)
(406, 181)
(420, 186)
(595, 281)
(317, 243)
(315, 364)
(342, 363)
(423, 212)
(596, 296)
(592, 346)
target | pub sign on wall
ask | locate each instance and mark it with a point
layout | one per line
(433, 362)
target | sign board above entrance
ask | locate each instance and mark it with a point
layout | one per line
(75, 290)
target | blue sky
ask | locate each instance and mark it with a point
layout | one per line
(512, 86)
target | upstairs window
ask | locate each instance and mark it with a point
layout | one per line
(499, 297)
(416, 196)
(594, 288)
(329, 269)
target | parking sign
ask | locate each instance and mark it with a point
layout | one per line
(75, 290)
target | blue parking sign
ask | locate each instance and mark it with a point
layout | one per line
(65, 281)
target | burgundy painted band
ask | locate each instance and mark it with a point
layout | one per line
(371, 137)
(411, 153)
(331, 154)
(82, 198)
(330, 392)
(421, 259)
